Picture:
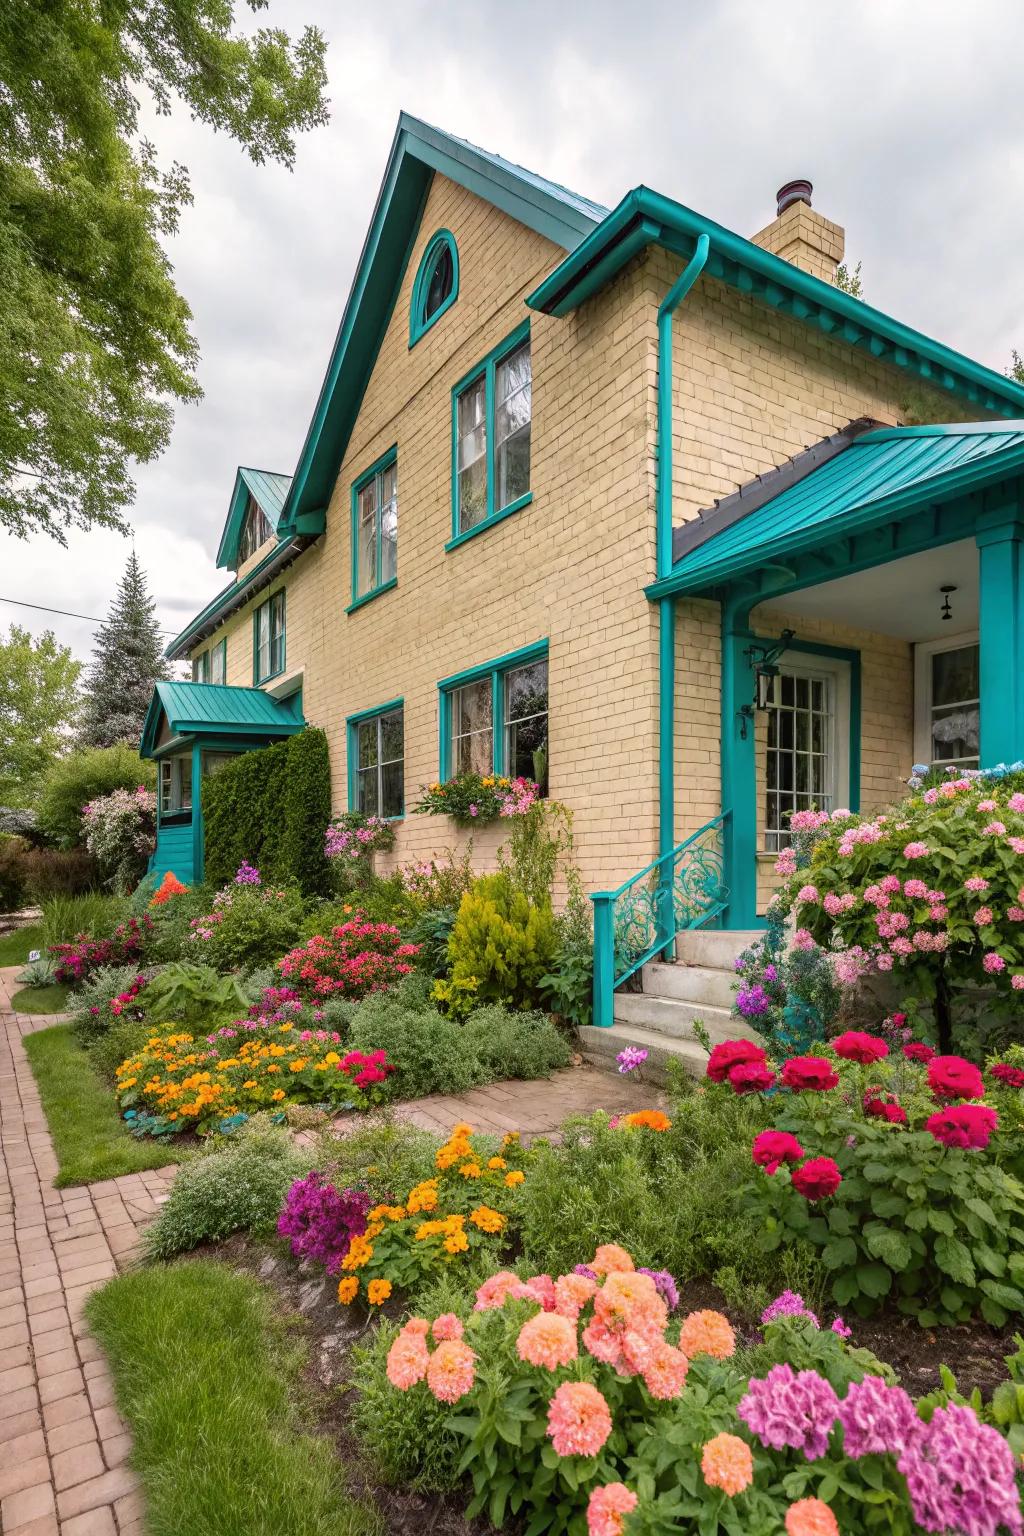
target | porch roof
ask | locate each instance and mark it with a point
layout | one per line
(211, 709)
(869, 480)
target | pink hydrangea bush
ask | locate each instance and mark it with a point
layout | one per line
(354, 959)
(76, 961)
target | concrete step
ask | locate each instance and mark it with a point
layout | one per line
(673, 1017)
(714, 947)
(690, 983)
(601, 1046)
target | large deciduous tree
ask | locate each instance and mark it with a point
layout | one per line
(38, 702)
(127, 660)
(95, 340)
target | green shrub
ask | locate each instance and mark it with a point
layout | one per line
(272, 808)
(71, 782)
(89, 1004)
(94, 914)
(381, 1152)
(379, 901)
(511, 1044)
(238, 1186)
(13, 874)
(192, 994)
(432, 931)
(172, 922)
(501, 948)
(249, 925)
(53, 872)
(430, 1050)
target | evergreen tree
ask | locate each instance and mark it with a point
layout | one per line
(127, 660)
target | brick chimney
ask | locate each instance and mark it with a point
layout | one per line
(801, 236)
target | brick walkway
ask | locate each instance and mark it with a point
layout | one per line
(63, 1445)
(538, 1107)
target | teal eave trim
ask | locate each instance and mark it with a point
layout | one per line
(268, 490)
(419, 327)
(489, 522)
(496, 670)
(418, 151)
(351, 722)
(485, 369)
(368, 597)
(231, 598)
(389, 457)
(215, 712)
(644, 217)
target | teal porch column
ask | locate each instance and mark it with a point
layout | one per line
(197, 813)
(739, 767)
(1000, 538)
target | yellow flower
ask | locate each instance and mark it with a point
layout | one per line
(377, 1291)
(470, 1170)
(250, 1084)
(284, 1027)
(348, 1289)
(277, 1094)
(497, 1162)
(129, 1082)
(457, 1243)
(332, 1058)
(296, 1065)
(515, 1177)
(487, 1219)
(272, 1068)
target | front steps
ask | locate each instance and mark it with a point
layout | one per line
(661, 1018)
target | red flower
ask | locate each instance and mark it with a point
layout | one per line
(855, 1045)
(816, 1179)
(729, 1054)
(1013, 1077)
(809, 1072)
(950, 1077)
(918, 1051)
(770, 1148)
(884, 1106)
(966, 1125)
(750, 1077)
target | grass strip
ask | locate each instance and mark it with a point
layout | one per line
(90, 1138)
(49, 999)
(208, 1378)
(14, 946)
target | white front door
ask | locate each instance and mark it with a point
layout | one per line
(806, 744)
(947, 702)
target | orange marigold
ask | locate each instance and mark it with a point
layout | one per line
(647, 1119)
(810, 1517)
(348, 1289)
(606, 1508)
(377, 1292)
(579, 1419)
(727, 1463)
(450, 1371)
(458, 1242)
(487, 1219)
(517, 1176)
(707, 1333)
(547, 1340)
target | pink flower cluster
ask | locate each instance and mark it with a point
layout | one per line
(76, 961)
(354, 959)
(356, 841)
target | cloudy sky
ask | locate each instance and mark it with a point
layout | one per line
(906, 114)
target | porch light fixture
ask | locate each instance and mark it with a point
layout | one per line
(947, 611)
(764, 659)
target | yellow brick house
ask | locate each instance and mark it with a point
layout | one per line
(621, 498)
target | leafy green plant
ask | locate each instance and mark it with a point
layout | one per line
(432, 932)
(190, 993)
(508, 1043)
(428, 1048)
(247, 926)
(502, 944)
(72, 781)
(95, 914)
(38, 973)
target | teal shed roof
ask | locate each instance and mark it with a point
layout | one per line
(210, 709)
(878, 476)
(268, 490)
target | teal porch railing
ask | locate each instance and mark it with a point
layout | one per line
(683, 889)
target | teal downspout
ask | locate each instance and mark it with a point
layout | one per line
(739, 765)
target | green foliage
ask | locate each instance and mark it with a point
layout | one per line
(513, 1044)
(96, 338)
(209, 1379)
(15, 945)
(502, 944)
(272, 808)
(236, 1186)
(192, 994)
(529, 856)
(569, 986)
(250, 925)
(849, 280)
(122, 1040)
(171, 936)
(65, 917)
(72, 781)
(432, 931)
(1004, 1409)
(38, 701)
(127, 661)
(13, 874)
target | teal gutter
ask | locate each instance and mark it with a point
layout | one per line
(776, 282)
(663, 554)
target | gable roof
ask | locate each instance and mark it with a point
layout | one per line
(268, 490)
(193, 709)
(418, 150)
(644, 217)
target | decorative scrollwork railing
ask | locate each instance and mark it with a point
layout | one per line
(682, 889)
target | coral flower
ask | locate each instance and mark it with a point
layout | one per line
(707, 1333)
(609, 1257)
(572, 1292)
(491, 1295)
(447, 1326)
(810, 1517)
(450, 1371)
(816, 1179)
(647, 1119)
(547, 1340)
(665, 1370)
(408, 1361)
(579, 1419)
(727, 1463)
(855, 1045)
(606, 1508)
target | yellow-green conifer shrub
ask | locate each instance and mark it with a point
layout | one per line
(500, 948)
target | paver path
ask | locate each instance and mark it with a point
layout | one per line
(537, 1107)
(63, 1445)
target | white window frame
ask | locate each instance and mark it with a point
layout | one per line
(924, 650)
(836, 674)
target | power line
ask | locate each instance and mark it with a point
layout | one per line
(64, 614)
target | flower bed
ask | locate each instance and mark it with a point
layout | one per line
(354, 959)
(472, 799)
(75, 962)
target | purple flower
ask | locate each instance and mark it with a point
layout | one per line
(794, 1408)
(960, 1476)
(789, 1304)
(752, 1001)
(877, 1418)
(320, 1220)
(770, 973)
(247, 874)
(588, 1274)
(631, 1057)
(667, 1288)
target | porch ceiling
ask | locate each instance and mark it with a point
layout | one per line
(902, 598)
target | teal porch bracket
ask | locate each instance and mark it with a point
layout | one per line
(738, 766)
(1000, 539)
(604, 958)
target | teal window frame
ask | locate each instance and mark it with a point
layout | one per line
(204, 663)
(419, 324)
(486, 369)
(496, 670)
(259, 677)
(378, 467)
(352, 724)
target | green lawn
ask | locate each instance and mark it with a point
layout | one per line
(207, 1378)
(14, 946)
(91, 1140)
(51, 999)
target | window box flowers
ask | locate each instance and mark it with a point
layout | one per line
(473, 799)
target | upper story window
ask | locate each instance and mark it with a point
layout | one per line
(375, 529)
(211, 666)
(493, 408)
(256, 530)
(436, 286)
(494, 718)
(376, 755)
(268, 648)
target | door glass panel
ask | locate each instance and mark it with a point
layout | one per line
(955, 707)
(800, 753)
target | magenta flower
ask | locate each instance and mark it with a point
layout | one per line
(961, 1476)
(790, 1408)
(877, 1418)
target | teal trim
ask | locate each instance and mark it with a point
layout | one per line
(496, 669)
(777, 283)
(212, 711)
(666, 311)
(418, 325)
(666, 724)
(738, 770)
(268, 490)
(376, 468)
(267, 677)
(853, 659)
(197, 811)
(1000, 540)
(351, 723)
(484, 369)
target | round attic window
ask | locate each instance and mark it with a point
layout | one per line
(437, 284)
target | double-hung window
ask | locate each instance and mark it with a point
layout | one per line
(256, 530)
(376, 756)
(806, 744)
(268, 639)
(493, 408)
(211, 666)
(175, 785)
(375, 529)
(494, 718)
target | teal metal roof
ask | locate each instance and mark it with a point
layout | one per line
(268, 490)
(590, 210)
(193, 709)
(879, 476)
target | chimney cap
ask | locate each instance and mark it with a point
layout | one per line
(793, 192)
